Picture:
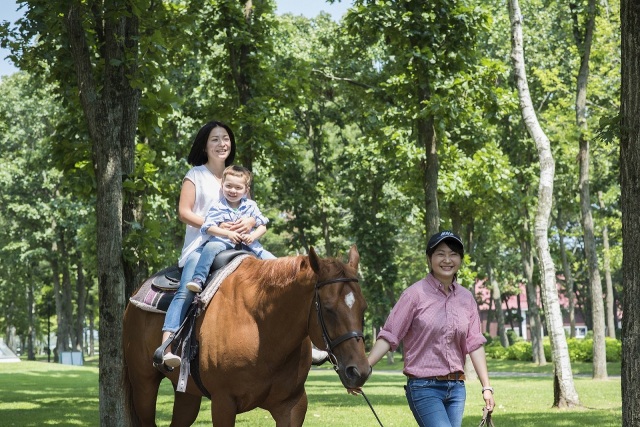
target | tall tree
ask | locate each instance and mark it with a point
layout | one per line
(583, 38)
(565, 394)
(426, 42)
(606, 257)
(110, 106)
(630, 192)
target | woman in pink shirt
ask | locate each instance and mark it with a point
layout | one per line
(438, 322)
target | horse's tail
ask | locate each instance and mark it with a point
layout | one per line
(130, 414)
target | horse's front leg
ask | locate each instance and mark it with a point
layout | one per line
(185, 409)
(291, 413)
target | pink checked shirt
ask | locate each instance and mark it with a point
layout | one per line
(438, 330)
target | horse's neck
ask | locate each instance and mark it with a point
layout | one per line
(285, 309)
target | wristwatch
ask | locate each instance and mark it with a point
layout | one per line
(487, 388)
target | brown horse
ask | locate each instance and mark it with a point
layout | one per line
(255, 348)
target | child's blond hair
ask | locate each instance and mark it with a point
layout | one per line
(238, 171)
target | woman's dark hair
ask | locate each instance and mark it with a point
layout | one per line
(453, 244)
(198, 154)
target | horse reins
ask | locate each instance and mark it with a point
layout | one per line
(331, 344)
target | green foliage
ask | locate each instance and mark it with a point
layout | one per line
(513, 337)
(580, 350)
(614, 349)
(495, 350)
(520, 350)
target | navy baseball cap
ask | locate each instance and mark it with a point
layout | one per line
(441, 236)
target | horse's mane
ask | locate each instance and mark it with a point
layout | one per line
(281, 273)
(277, 273)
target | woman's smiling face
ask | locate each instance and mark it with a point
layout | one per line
(218, 144)
(444, 263)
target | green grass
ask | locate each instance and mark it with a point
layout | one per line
(41, 394)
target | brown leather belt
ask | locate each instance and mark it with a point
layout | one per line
(454, 376)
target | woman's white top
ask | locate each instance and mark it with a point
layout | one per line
(208, 190)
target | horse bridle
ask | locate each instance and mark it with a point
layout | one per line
(331, 344)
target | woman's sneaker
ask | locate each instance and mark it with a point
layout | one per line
(195, 285)
(171, 360)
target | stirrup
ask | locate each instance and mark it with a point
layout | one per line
(158, 355)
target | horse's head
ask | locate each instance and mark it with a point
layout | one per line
(338, 326)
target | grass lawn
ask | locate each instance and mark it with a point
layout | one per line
(40, 394)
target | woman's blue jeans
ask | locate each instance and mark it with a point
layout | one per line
(436, 403)
(182, 300)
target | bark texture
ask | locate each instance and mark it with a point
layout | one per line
(110, 108)
(630, 195)
(533, 314)
(583, 39)
(565, 393)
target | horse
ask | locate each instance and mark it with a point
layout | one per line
(255, 341)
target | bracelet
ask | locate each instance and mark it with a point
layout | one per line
(487, 388)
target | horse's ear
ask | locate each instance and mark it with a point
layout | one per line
(354, 256)
(314, 260)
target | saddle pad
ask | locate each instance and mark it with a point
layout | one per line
(218, 278)
(151, 298)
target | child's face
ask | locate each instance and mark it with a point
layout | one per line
(234, 188)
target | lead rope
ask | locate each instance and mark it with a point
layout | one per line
(372, 410)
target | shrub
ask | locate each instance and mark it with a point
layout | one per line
(495, 350)
(513, 337)
(520, 350)
(614, 349)
(546, 344)
(580, 350)
(488, 337)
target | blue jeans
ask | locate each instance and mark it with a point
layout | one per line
(208, 252)
(183, 297)
(212, 248)
(436, 403)
(197, 265)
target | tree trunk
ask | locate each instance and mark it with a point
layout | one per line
(81, 290)
(565, 395)
(497, 301)
(92, 327)
(427, 140)
(31, 332)
(568, 277)
(65, 321)
(109, 110)
(630, 200)
(61, 337)
(583, 42)
(533, 312)
(610, 298)
(241, 55)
